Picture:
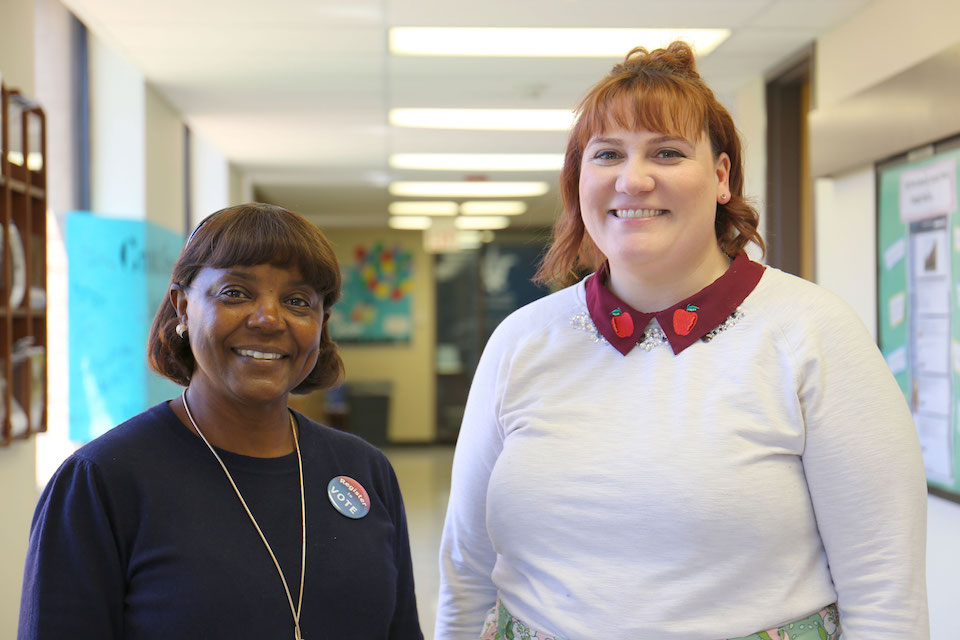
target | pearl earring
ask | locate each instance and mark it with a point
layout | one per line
(181, 329)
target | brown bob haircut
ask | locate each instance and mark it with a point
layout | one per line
(660, 91)
(249, 235)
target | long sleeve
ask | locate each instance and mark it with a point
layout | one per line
(467, 556)
(738, 485)
(73, 584)
(865, 476)
(140, 535)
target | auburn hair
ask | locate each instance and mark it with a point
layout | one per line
(249, 235)
(661, 91)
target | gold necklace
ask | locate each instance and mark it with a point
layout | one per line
(303, 517)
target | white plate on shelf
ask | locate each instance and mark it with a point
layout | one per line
(18, 267)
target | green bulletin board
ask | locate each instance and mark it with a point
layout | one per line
(918, 269)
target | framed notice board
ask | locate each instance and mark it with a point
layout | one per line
(918, 281)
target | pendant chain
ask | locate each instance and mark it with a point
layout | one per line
(303, 517)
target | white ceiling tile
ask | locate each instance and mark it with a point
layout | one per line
(297, 91)
(813, 14)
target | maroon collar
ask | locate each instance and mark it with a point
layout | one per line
(685, 322)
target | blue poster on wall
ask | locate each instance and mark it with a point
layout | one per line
(375, 305)
(118, 272)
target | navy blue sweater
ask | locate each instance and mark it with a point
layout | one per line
(140, 536)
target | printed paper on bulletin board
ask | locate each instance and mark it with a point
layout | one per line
(918, 253)
(376, 303)
(118, 272)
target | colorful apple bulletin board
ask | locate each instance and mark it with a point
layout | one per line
(375, 306)
(918, 280)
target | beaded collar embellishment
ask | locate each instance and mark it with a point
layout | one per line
(653, 336)
(700, 317)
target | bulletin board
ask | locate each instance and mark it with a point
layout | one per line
(918, 280)
(118, 272)
(375, 304)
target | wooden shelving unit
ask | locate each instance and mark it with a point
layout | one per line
(23, 305)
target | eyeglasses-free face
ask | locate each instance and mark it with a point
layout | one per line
(649, 201)
(254, 331)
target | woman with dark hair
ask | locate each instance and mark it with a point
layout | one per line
(684, 445)
(222, 513)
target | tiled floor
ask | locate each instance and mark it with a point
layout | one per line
(424, 475)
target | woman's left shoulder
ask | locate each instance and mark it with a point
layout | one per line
(347, 447)
(796, 303)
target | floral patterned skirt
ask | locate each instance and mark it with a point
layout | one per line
(822, 625)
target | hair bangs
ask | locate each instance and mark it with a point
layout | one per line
(249, 235)
(654, 104)
(254, 236)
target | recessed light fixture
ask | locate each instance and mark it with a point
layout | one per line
(546, 42)
(410, 222)
(427, 208)
(484, 119)
(482, 222)
(478, 161)
(493, 207)
(469, 189)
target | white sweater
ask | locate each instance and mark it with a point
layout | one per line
(744, 483)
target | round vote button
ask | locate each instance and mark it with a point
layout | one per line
(348, 497)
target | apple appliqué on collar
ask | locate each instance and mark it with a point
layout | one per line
(684, 320)
(622, 323)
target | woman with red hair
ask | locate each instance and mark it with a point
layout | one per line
(685, 444)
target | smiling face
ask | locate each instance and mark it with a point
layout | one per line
(254, 332)
(649, 200)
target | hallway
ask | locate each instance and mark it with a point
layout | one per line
(424, 475)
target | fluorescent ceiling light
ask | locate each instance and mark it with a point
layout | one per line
(469, 189)
(493, 208)
(486, 119)
(482, 222)
(410, 222)
(478, 161)
(548, 42)
(429, 208)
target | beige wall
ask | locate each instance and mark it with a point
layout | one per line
(16, 45)
(54, 89)
(853, 61)
(885, 38)
(18, 493)
(209, 177)
(239, 187)
(164, 163)
(117, 133)
(17, 502)
(845, 247)
(408, 368)
(886, 82)
(751, 120)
